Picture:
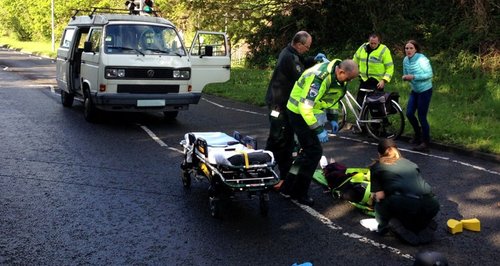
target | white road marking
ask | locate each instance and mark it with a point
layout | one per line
(158, 140)
(231, 108)
(323, 219)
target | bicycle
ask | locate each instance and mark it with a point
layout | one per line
(390, 124)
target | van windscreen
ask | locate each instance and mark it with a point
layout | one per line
(143, 39)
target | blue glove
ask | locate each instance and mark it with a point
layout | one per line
(335, 126)
(321, 58)
(323, 136)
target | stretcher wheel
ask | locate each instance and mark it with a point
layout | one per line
(214, 207)
(186, 178)
(264, 204)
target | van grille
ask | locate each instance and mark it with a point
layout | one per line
(148, 89)
(148, 73)
(152, 73)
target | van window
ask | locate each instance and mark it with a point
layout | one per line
(67, 37)
(95, 38)
(145, 39)
(210, 44)
(83, 38)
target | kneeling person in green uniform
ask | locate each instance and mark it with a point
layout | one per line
(404, 202)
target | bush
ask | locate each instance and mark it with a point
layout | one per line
(19, 31)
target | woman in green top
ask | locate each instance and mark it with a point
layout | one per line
(404, 201)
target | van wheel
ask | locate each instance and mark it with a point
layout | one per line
(67, 98)
(170, 115)
(90, 112)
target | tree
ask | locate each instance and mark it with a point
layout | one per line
(338, 27)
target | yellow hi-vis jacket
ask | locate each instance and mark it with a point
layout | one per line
(376, 64)
(317, 90)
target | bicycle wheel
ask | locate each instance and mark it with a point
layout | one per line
(390, 126)
(342, 115)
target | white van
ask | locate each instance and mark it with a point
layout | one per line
(121, 62)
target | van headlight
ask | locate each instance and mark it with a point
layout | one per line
(181, 74)
(113, 73)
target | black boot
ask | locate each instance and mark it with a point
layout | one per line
(403, 233)
(417, 138)
(287, 186)
(300, 190)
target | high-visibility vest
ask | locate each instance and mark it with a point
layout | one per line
(317, 90)
(378, 64)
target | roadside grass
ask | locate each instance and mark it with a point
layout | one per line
(464, 109)
(245, 85)
(37, 48)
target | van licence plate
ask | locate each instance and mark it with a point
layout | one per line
(149, 103)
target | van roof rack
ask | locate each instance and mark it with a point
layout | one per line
(107, 10)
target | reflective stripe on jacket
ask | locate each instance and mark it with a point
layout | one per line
(317, 90)
(376, 64)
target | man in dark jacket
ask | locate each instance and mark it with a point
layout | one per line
(288, 69)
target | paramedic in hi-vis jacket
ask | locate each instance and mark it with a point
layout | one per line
(317, 90)
(375, 66)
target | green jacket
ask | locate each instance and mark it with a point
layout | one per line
(317, 90)
(401, 177)
(374, 63)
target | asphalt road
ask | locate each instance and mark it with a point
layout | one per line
(72, 192)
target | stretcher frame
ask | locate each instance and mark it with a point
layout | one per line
(205, 160)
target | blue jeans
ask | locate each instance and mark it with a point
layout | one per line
(419, 102)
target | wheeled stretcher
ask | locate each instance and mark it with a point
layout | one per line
(230, 164)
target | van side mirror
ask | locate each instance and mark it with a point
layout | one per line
(87, 46)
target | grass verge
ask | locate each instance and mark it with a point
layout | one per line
(37, 48)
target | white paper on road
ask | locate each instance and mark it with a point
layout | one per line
(369, 223)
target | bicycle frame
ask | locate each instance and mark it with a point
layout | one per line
(352, 103)
(356, 109)
(394, 123)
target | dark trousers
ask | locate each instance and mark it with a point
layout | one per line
(371, 84)
(414, 214)
(419, 102)
(281, 141)
(303, 167)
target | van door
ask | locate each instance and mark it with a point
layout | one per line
(210, 59)
(90, 59)
(69, 57)
(64, 58)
